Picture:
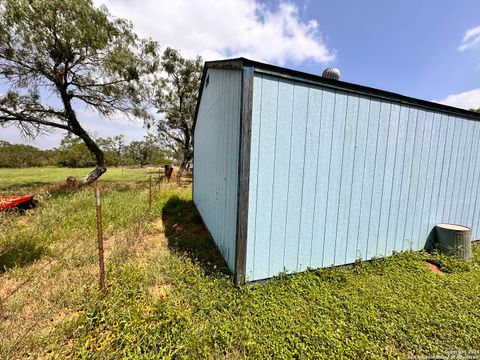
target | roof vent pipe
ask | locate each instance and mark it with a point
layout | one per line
(331, 73)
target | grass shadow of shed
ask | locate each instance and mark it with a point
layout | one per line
(186, 234)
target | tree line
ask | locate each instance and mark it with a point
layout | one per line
(58, 57)
(72, 152)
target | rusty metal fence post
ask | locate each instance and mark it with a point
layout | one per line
(101, 261)
(150, 193)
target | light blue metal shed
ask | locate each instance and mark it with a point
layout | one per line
(292, 170)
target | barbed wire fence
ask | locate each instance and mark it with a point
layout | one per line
(103, 260)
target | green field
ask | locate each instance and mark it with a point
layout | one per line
(170, 296)
(35, 178)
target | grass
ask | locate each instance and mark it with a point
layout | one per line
(36, 179)
(170, 294)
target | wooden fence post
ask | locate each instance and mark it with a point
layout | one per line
(101, 261)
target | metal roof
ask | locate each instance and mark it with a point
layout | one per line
(241, 63)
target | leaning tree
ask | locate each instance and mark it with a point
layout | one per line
(176, 100)
(61, 56)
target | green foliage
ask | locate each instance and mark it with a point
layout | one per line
(390, 308)
(74, 153)
(56, 55)
(145, 152)
(19, 156)
(113, 149)
(71, 44)
(176, 100)
(386, 309)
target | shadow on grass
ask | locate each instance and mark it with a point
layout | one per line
(186, 233)
(21, 254)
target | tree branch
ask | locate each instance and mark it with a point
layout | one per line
(173, 137)
(12, 116)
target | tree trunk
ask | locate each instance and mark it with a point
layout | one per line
(187, 158)
(183, 167)
(93, 175)
(180, 171)
(77, 130)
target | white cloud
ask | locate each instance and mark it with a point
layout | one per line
(218, 29)
(471, 39)
(465, 100)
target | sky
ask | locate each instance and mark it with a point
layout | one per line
(427, 49)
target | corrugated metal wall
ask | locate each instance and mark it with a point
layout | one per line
(215, 180)
(335, 176)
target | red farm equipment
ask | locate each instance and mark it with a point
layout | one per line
(16, 202)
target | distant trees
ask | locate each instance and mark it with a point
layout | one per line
(176, 100)
(57, 55)
(145, 152)
(76, 54)
(72, 152)
(19, 155)
(113, 148)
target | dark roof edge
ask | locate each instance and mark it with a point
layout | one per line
(240, 63)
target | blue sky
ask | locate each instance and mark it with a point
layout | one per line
(426, 49)
(410, 47)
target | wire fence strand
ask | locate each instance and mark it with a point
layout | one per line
(34, 324)
(45, 224)
(54, 221)
(40, 270)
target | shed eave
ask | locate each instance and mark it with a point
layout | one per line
(295, 75)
